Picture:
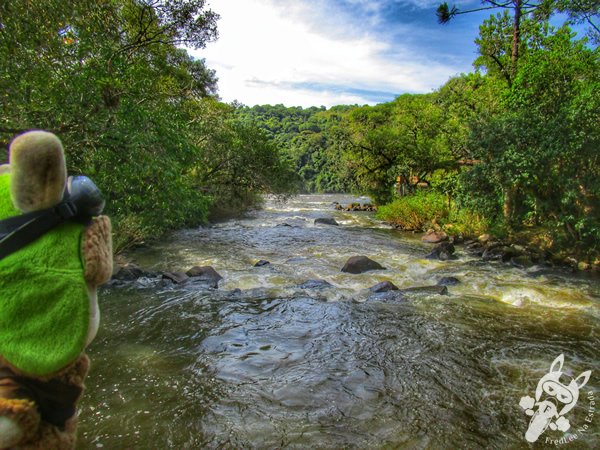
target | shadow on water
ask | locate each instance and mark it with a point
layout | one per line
(277, 366)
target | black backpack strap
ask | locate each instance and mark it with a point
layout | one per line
(31, 226)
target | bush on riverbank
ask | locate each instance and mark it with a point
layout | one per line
(415, 212)
(427, 209)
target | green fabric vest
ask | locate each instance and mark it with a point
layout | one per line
(44, 304)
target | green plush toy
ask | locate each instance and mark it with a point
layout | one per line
(48, 303)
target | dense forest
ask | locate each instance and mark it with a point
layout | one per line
(134, 111)
(514, 145)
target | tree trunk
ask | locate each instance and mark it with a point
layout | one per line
(509, 203)
(516, 38)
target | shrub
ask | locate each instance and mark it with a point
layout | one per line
(415, 212)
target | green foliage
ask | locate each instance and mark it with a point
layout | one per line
(307, 139)
(540, 153)
(135, 113)
(426, 209)
(415, 212)
(466, 223)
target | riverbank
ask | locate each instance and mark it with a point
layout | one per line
(431, 212)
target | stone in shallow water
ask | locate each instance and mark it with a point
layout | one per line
(448, 281)
(315, 284)
(386, 296)
(360, 264)
(426, 290)
(175, 277)
(442, 251)
(262, 262)
(384, 286)
(434, 237)
(205, 274)
(326, 221)
(131, 272)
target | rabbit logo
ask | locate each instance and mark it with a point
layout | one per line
(553, 400)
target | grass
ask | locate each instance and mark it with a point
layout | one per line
(428, 209)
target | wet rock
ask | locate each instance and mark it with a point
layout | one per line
(284, 224)
(175, 277)
(131, 272)
(262, 262)
(426, 290)
(457, 239)
(315, 284)
(387, 296)
(325, 221)
(434, 237)
(442, 251)
(484, 238)
(448, 281)
(384, 286)
(496, 253)
(569, 261)
(522, 262)
(205, 274)
(360, 264)
(235, 293)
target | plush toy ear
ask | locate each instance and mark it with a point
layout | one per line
(38, 171)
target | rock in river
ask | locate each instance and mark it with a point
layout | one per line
(384, 286)
(448, 281)
(426, 290)
(175, 277)
(315, 284)
(360, 264)
(205, 274)
(434, 237)
(131, 272)
(326, 221)
(442, 251)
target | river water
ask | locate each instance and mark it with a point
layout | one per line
(264, 363)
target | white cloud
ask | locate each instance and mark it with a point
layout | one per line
(269, 54)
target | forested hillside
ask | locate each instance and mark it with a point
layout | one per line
(134, 111)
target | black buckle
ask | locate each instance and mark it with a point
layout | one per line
(66, 210)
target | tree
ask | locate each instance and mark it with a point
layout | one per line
(536, 11)
(545, 143)
(402, 138)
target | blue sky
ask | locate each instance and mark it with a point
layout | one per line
(330, 52)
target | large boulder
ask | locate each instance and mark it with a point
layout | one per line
(360, 264)
(206, 275)
(325, 221)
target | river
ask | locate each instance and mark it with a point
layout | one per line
(264, 363)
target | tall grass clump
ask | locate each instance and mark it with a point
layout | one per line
(415, 212)
(429, 209)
